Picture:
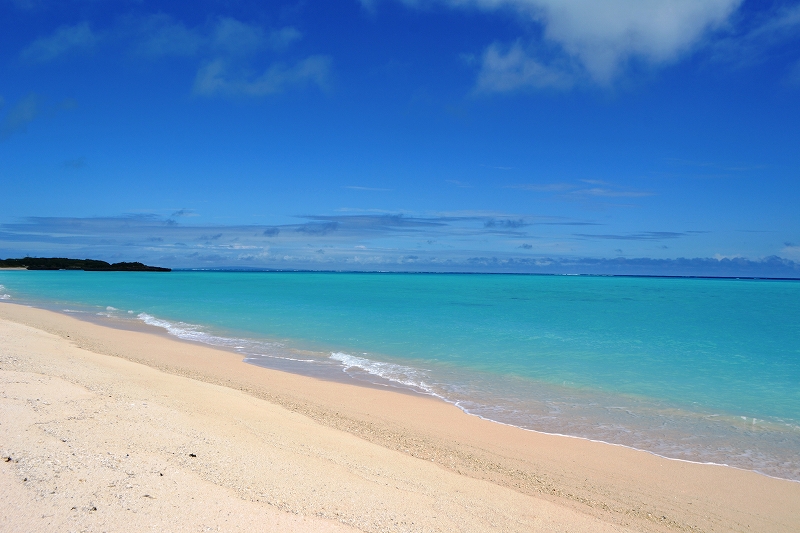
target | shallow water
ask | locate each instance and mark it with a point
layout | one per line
(697, 369)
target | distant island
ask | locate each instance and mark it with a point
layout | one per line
(89, 265)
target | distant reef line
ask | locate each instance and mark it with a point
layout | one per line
(89, 265)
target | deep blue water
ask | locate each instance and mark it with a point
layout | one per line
(698, 369)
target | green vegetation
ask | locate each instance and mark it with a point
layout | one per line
(62, 263)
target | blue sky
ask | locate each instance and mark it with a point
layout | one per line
(624, 136)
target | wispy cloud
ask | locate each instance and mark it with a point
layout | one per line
(26, 110)
(543, 187)
(755, 38)
(772, 266)
(218, 77)
(74, 164)
(284, 37)
(360, 188)
(184, 213)
(64, 40)
(234, 57)
(507, 68)
(318, 228)
(600, 189)
(228, 50)
(508, 223)
(355, 242)
(610, 193)
(358, 223)
(644, 236)
(793, 74)
(20, 115)
(236, 37)
(161, 35)
(271, 232)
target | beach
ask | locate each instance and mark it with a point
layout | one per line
(106, 429)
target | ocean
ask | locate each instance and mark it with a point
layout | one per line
(704, 370)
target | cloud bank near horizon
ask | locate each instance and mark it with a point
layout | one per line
(477, 242)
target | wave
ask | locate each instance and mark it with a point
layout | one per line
(195, 333)
(190, 332)
(672, 433)
(4, 296)
(683, 435)
(415, 378)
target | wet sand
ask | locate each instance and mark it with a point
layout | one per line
(109, 430)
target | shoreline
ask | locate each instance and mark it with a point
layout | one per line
(125, 323)
(141, 325)
(614, 484)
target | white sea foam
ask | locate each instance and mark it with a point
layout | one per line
(415, 378)
(186, 331)
(195, 333)
(690, 437)
(543, 409)
(4, 296)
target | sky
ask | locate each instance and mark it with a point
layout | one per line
(555, 136)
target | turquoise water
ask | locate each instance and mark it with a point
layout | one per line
(697, 369)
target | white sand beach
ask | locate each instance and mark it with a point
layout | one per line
(106, 429)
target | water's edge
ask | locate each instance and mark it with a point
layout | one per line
(701, 371)
(333, 366)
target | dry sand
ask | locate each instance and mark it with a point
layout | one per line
(116, 430)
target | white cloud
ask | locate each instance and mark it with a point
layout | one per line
(227, 49)
(790, 251)
(511, 69)
(216, 78)
(602, 36)
(235, 37)
(64, 40)
(160, 36)
(284, 37)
